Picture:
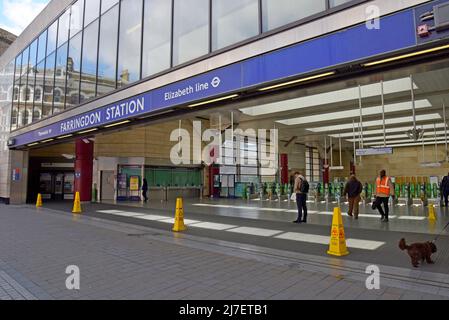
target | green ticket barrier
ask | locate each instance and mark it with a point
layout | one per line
(321, 188)
(412, 190)
(435, 190)
(331, 189)
(370, 191)
(397, 190)
(404, 190)
(278, 189)
(429, 190)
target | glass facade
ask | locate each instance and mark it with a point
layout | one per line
(130, 39)
(156, 37)
(97, 46)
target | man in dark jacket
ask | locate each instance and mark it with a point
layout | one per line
(353, 189)
(445, 189)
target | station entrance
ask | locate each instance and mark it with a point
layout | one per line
(392, 119)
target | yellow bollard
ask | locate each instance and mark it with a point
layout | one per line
(39, 201)
(77, 204)
(337, 245)
(432, 215)
(179, 217)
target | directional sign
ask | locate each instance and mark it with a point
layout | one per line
(373, 152)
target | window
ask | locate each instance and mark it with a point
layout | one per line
(89, 61)
(18, 62)
(233, 21)
(107, 56)
(129, 42)
(16, 94)
(52, 37)
(191, 30)
(277, 13)
(157, 37)
(92, 11)
(76, 18)
(64, 25)
(313, 167)
(33, 54)
(37, 94)
(27, 94)
(107, 4)
(60, 79)
(74, 70)
(49, 85)
(25, 60)
(57, 94)
(42, 47)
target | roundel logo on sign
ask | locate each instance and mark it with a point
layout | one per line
(216, 82)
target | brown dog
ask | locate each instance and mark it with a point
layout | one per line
(419, 251)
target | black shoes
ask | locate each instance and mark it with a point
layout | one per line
(297, 221)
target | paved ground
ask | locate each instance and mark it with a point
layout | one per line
(123, 261)
(365, 244)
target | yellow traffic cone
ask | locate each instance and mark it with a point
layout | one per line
(179, 217)
(432, 215)
(337, 245)
(77, 204)
(39, 201)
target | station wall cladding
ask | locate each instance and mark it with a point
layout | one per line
(404, 162)
(151, 142)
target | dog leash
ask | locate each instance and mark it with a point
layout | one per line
(441, 233)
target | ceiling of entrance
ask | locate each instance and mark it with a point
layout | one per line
(309, 115)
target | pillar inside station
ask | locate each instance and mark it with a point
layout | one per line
(84, 150)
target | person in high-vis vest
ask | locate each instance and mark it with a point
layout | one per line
(384, 189)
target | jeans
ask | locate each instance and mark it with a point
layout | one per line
(384, 201)
(144, 195)
(301, 202)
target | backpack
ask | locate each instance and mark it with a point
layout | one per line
(304, 186)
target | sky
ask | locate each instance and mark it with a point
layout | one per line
(16, 15)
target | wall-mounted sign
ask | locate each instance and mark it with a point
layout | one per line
(373, 152)
(15, 174)
(134, 183)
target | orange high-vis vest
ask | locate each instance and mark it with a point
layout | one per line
(382, 185)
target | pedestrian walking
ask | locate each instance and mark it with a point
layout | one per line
(384, 189)
(352, 190)
(145, 190)
(445, 189)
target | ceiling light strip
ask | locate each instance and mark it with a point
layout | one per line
(318, 76)
(213, 100)
(405, 56)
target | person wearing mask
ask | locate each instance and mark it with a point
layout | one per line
(384, 189)
(145, 190)
(352, 190)
(445, 190)
(301, 189)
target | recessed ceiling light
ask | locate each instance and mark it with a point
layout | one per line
(349, 126)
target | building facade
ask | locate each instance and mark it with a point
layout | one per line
(87, 68)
